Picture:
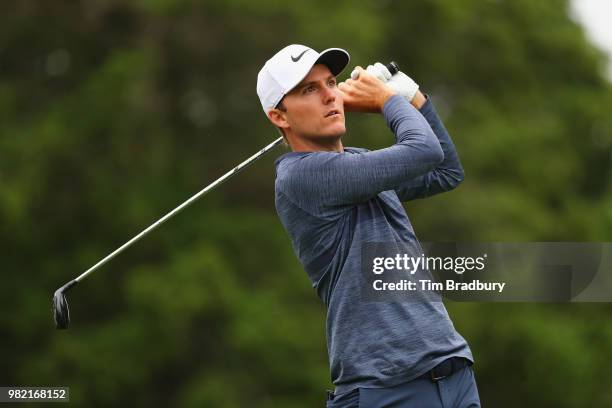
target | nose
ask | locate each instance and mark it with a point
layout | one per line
(329, 95)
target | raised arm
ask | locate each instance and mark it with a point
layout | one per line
(447, 175)
(331, 179)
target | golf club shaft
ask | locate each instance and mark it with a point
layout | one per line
(212, 185)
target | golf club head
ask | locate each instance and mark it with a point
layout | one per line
(61, 314)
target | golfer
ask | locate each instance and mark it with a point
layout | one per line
(333, 199)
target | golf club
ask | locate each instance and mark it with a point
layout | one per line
(61, 313)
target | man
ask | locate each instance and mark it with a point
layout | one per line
(334, 200)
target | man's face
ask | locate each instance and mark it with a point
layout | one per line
(314, 108)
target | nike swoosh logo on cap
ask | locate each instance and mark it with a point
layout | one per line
(296, 59)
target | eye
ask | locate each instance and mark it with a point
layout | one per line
(309, 88)
(332, 82)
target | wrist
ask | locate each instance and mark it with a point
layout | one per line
(385, 96)
(418, 100)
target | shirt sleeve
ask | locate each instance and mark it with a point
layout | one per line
(328, 179)
(446, 176)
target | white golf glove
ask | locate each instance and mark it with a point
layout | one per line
(378, 70)
(403, 85)
(400, 82)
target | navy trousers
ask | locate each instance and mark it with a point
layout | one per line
(455, 391)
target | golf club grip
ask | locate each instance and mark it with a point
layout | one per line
(393, 67)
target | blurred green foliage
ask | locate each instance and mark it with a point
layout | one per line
(112, 113)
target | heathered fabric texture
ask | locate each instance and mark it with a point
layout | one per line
(331, 203)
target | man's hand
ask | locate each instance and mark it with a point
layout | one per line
(378, 70)
(401, 83)
(365, 94)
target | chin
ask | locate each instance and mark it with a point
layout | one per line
(336, 131)
(328, 133)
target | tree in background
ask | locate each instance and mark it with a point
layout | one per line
(112, 113)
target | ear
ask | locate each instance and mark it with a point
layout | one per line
(278, 118)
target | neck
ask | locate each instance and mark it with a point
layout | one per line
(332, 144)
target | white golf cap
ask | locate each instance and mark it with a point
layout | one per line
(289, 66)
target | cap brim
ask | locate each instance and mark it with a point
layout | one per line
(336, 59)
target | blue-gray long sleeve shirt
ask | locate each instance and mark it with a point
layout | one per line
(330, 204)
